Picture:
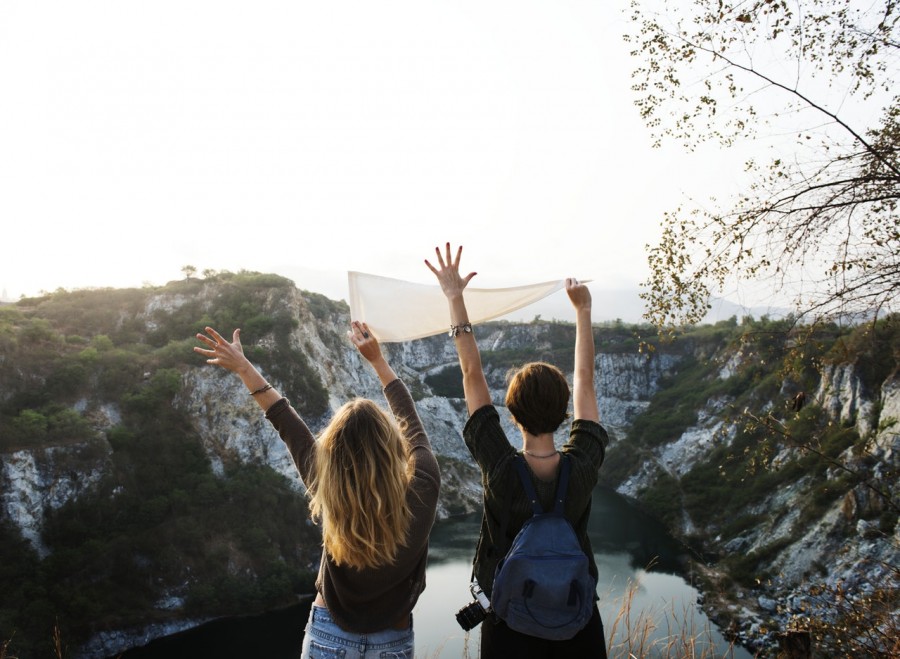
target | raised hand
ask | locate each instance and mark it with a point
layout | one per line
(579, 294)
(361, 337)
(452, 283)
(229, 356)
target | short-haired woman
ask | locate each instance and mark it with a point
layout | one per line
(373, 483)
(538, 399)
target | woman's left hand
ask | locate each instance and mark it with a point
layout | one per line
(229, 356)
(578, 293)
(365, 341)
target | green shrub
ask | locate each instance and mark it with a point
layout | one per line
(148, 398)
(663, 499)
(744, 568)
(446, 383)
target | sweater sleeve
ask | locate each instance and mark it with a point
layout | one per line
(296, 435)
(486, 440)
(587, 445)
(590, 439)
(404, 409)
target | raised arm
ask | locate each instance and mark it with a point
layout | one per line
(452, 284)
(584, 397)
(230, 356)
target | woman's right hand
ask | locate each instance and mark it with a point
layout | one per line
(452, 284)
(361, 337)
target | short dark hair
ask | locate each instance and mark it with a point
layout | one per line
(538, 397)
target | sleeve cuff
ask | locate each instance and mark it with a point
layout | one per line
(277, 408)
(393, 384)
(593, 429)
(478, 417)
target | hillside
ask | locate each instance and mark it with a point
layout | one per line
(142, 489)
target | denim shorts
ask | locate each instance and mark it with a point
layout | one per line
(323, 639)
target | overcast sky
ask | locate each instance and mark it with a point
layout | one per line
(309, 139)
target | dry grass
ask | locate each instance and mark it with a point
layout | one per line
(58, 650)
(57, 643)
(633, 636)
(4, 650)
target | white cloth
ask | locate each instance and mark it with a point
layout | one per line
(397, 310)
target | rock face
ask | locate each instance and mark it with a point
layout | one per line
(845, 549)
(232, 428)
(625, 384)
(35, 481)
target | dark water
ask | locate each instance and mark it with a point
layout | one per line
(638, 562)
(271, 635)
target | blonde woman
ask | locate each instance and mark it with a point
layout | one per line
(373, 483)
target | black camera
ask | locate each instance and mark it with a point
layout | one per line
(471, 615)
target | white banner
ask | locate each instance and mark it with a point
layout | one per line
(397, 310)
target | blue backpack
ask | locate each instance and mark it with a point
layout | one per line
(543, 586)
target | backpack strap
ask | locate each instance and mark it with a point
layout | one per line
(561, 489)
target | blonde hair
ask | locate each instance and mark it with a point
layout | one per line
(359, 491)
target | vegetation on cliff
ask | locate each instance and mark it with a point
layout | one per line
(162, 535)
(779, 463)
(159, 524)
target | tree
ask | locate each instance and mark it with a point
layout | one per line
(817, 222)
(189, 271)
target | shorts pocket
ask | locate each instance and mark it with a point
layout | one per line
(405, 653)
(319, 651)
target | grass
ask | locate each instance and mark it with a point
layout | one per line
(637, 635)
(56, 642)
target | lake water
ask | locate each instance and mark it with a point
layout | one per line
(637, 561)
(625, 543)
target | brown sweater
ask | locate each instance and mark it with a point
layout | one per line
(370, 600)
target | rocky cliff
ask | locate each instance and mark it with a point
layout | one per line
(847, 540)
(232, 427)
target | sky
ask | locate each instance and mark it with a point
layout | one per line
(309, 139)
